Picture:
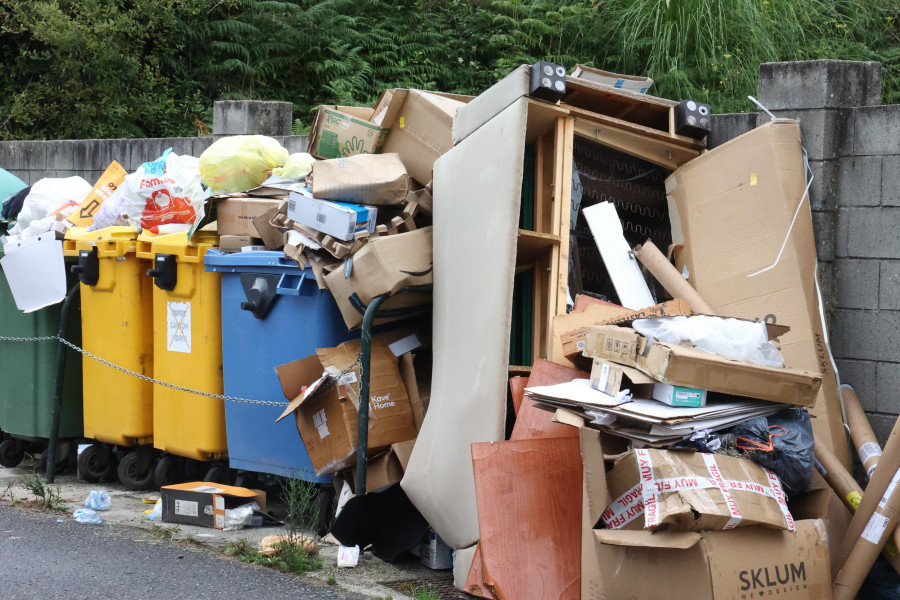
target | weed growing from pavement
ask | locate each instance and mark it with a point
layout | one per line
(424, 592)
(8, 494)
(48, 498)
(288, 557)
(330, 579)
(161, 532)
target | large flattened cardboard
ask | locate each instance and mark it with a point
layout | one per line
(530, 516)
(732, 209)
(476, 205)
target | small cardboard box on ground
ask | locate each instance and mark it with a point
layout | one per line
(327, 415)
(420, 128)
(741, 564)
(690, 491)
(204, 504)
(385, 469)
(344, 131)
(689, 367)
(235, 215)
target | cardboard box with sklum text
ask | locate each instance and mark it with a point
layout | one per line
(326, 413)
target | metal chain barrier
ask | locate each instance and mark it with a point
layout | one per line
(56, 338)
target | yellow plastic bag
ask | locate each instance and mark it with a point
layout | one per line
(240, 162)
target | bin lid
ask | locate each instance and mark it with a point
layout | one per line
(257, 261)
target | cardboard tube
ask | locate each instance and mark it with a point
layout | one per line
(861, 433)
(878, 485)
(849, 492)
(669, 277)
(840, 480)
(867, 547)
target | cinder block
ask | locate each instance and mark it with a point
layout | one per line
(826, 272)
(821, 130)
(819, 84)
(25, 176)
(60, 154)
(867, 335)
(728, 126)
(842, 231)
(860, 181)
(824, 230)
(876, 130)
(296, 143)
(823, 192)
(856, 282)
(873, 233)
(31, 155)
(861, 375)
(889, 287)
(890, 180)
(244, 117)
(882, 424)
(887, 387)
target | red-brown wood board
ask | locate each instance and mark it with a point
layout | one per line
(532, 422)
(517, 389)
(529, 517)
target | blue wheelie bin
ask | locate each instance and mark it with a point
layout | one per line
(273, 312)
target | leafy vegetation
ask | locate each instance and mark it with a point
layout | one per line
(133, 68)
(47, 497)
(289, 557)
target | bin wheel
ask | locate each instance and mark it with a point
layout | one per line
(324, 510)
(94, 463)
(129, 475)
(217, 473)
(246, 479)
(11, 453)
(169, 470)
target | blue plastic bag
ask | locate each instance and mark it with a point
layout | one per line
(98, 500)
(86, 515)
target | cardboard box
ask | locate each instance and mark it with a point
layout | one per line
(573, 340)
(689, 367)
(344, 131)
(337, 219)
(234, 243)
(327, 415)
(610, 378)
(235, 215)
(692, 491)
(751, 254)
(364, 179)
(824, 504)
(204, 504)
(383, 266)
(385, 469)
(675, 395)
(420, 128)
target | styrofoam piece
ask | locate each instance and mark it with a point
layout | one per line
(36, 272)
(490, 103)
(623, 268)
(476, 207)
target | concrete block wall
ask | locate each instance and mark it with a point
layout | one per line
(853, 144)
(34, 160)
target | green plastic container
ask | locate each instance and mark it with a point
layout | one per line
(28, 369)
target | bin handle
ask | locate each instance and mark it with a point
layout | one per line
(290, 285)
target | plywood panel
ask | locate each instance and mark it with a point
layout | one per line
(529, 504)
(532, 422)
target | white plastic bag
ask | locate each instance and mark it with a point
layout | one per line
(48, 197)
(86, 515)
(112, 212)
(730, 338)
(98, 500)
(240, 517)
(167, 190)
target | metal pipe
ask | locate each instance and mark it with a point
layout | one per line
(50, 475)
(365, 360)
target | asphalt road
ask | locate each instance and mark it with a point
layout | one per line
(40, 558)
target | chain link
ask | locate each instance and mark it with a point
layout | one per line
(56, 338)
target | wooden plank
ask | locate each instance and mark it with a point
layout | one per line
(565, 208)
(475, 585)
(576, 84)
(517, 389)
(532, 422)
(540, 181)
(541, 119)
(657, 134)
(529, 517)
(652, 150)
(532, 246)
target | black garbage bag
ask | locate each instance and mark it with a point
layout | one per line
(13, 204)
(882, 582)
(782, 443)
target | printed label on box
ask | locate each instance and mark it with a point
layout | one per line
(875, 528)
(187, 508)
(178, 326)
(220, 521)
(321, 423)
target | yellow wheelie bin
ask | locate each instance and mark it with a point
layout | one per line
(117, 326)
(187, 352)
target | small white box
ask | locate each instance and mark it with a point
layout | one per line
(674, 395)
